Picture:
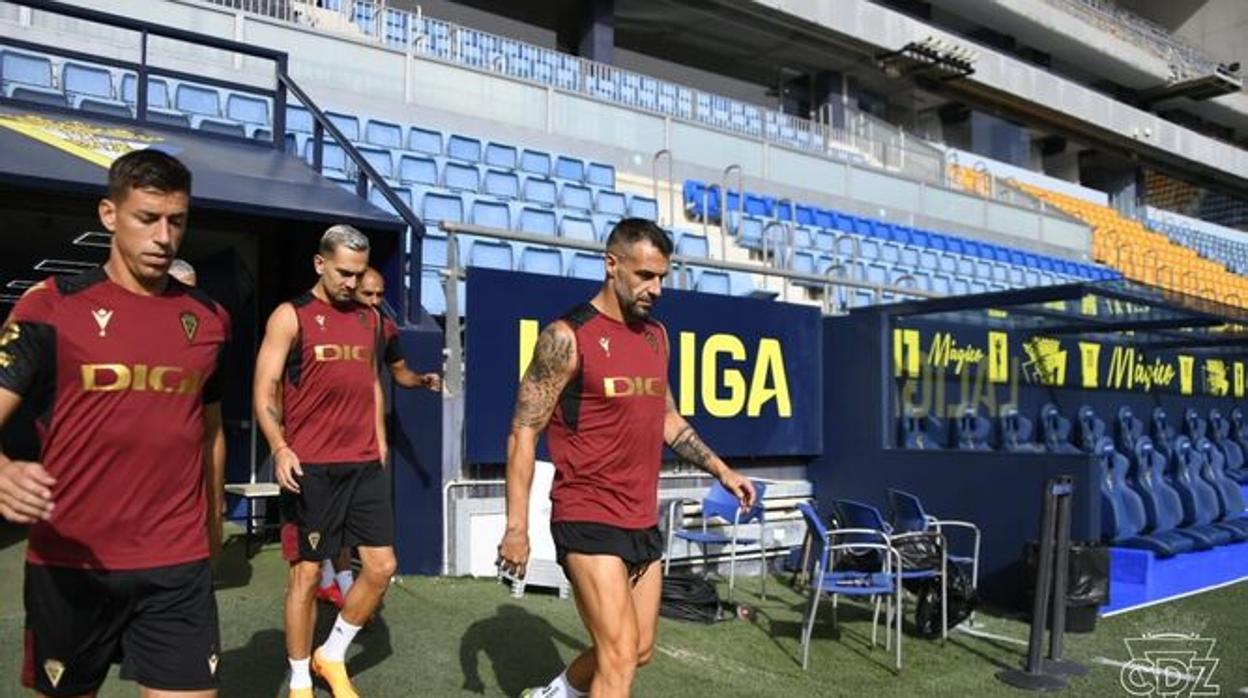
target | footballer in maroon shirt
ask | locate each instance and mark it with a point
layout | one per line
(598, 386)
(318, 400)
(122, 365)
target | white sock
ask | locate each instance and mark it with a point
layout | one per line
(345, 580)
(560, 687)
(335, 647)
(327, 573)
(299, 675)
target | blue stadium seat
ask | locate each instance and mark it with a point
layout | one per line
(379, 158)
(89, 80)
(712, 281)
(438, 207)
(347, 123)
(502, 184)
(610, 203)
(433, 250)
(643, 207)
(376, 198)
(541, 260)
(603, 225)
(1230, 497)
(538, 190)
(383, 133)
(418, 170)
(570, 168)
(432, 294)
(423, 140)
(461, 177)
(1017, 432)
(333, 158)
(584, 265)
(535, 162)
(29, 77)
(692, 245)
(298, 119)
(500, 155)
(1163, 510)
(491, 214)
(972, 430)
(463, 148)
(1199, 499)
(600, 175)
(921, 431)
(1122, 510)
(246, 109)
(576, 197)
(490, 254)
(577, 228)
(536, 221)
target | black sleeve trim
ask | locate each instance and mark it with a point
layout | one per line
(27, 358)
(214, 387)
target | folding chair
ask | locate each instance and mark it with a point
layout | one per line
(721, 503)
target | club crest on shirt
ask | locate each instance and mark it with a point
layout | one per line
(605, 343)
(652, 341)
(55, 669)
(102, 317)
(314, 539)
(212, 663)
(320, 321)
(190, 324)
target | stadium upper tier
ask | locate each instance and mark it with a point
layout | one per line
(1146, 255)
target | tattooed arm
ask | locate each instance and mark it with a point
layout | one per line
(554, 362)
(682, 439)
(279, 335)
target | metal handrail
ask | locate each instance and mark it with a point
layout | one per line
(671, 191)
(450, 227)
(855, 249)
(723, 207)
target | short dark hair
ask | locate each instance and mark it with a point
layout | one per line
(630, 231)
(147, 169)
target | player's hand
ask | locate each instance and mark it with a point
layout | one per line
(433, 382)
(513, 553)
(286, 468)
(740, 486)
(25, 492)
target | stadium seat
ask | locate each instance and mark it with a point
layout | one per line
(600, 175)
(535, 162)
(541, 260)
(576, 197)
(577, 228)
(1055, 431)
(1200, 500)
(245, 109)
(500, 155)
(348, 124)
(1163, 434)
(538, 190)
(432, 294)
(584, 265)
(415, 169)
(972, 430)
(298, 119)
(881, 582)
(569, 168)
(463, 148)
(610, 203)
(433, 250)
(1122, 510)
(712, 281)
(88, 82)
(909, 516)
(536, 221)
(383, 133)
(1091, 429)
(919, 430)
(491, 214)
(438, 207)
(501, 184)
(1220, 432)
(425, 141)
(1129, 430)
(1016, 432)
(692, 245)
(379, 200)
(1162, 507)
(490, 254)
(719, 503)
(1230, 497)
(460, 176)
(379, 158)
(333, 159)
(29, 77)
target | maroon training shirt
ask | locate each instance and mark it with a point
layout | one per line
(119, 381)
(606, 434)
(327, 393)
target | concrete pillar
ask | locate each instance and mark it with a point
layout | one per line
(588, 30)
(1123, 179)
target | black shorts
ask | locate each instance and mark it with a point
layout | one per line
(159, 623)
(338, 504)
(636, 547)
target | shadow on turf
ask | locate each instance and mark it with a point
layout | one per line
(260, 667)
(521, 649)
